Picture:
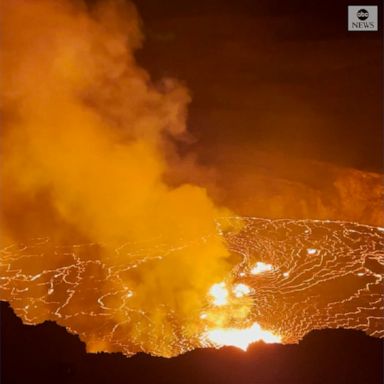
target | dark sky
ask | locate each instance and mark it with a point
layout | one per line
(285, 77)
(285, 102)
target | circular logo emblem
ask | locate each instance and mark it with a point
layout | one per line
(362, 14)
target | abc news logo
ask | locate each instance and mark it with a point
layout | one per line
(362, 18)
(362, 14)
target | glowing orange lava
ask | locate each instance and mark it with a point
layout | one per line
(219, 293)
(261, 267)
(241, 338)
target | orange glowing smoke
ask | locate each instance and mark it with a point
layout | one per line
(85, 145)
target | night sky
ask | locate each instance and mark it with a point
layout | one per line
(285, 102)
(283, 77)
(272, 82)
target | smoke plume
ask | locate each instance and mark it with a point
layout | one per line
(85, 145)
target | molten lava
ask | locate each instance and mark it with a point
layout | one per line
(261, 267)
(241, 338)
(219, 294)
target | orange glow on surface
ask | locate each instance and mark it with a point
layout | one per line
(219, 294)
(240, 290)
(241, 338)
(261, 267)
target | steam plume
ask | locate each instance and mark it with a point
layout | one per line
(85, 142)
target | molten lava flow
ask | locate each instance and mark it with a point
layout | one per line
(219, 293)
(240, 290)
(230, 336)
(261, 267)
(241, 338)
(97, 298)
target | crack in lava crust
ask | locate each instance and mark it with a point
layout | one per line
(295, 276)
